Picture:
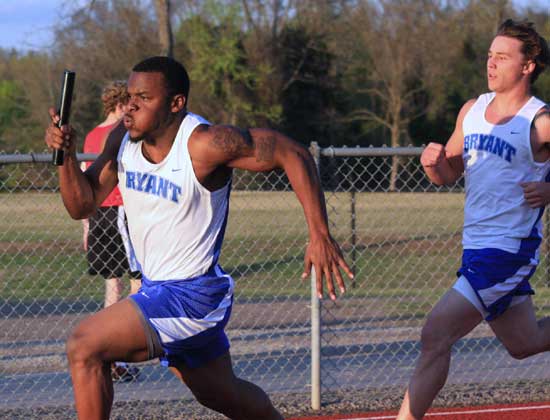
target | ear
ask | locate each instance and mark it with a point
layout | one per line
(529, 67)
(178, 103)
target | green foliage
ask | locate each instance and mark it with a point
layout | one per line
(339, 73)
(308, 95)
(219, 68)
(12, 107)
(15, 118)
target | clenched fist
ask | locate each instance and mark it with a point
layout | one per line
(59, 138)
(536, 194)
(433, 155)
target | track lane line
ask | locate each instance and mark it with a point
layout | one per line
(436, 414)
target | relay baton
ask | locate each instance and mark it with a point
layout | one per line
(63, 110)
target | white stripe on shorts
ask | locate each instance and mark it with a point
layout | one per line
(492, 294)
(176, 329)
(463, 286)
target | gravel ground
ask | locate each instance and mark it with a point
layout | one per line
(338, 402)
(42, 350)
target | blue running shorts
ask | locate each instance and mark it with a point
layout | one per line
(188, 316)
(496, 277)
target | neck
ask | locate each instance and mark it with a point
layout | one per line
(513, 99)
(508, 103)
(157, 146)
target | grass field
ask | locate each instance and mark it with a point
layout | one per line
(406, 247)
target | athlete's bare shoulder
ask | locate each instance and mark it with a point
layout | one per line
(540, 127)
(220, 143)
(462, 113)
(467, 106)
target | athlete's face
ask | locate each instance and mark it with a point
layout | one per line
(148, 110)
(506, 64)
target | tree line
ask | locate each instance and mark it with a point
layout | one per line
(339, 72)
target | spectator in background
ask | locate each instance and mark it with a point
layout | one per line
(106, 239)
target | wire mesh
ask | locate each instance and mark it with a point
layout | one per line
(401, 235)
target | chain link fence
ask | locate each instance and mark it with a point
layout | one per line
(401, 235)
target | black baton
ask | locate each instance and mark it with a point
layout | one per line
(63, 110)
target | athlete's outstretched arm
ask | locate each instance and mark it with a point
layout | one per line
(263, 150)
(83, 192)
(444, 164)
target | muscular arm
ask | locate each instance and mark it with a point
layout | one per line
(444, 165)
(263, 150)
(81, 191)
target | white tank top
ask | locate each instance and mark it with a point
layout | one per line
(176, 225)
(497, 158)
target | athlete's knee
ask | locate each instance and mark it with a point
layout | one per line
(521, 351)
(520, 348)
(80, 348)
(435, 340)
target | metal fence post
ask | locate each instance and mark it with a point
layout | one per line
(353, 229)
(315, 345)
(315, 319)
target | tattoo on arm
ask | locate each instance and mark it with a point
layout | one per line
(231, 141)
(236, 143)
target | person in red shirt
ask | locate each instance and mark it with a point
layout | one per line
(106, 241)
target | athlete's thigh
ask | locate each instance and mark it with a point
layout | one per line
(518, 324)
(116, 333)
(452, 317)
(214, 377)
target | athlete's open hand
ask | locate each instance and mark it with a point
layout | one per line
(60, 138)
(537, 194)
(325, 255)
(432, 155)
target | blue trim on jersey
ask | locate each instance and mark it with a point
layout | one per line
(499, 273)
(529, 245)
(221, 233)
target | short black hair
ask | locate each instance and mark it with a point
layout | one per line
(175, 75)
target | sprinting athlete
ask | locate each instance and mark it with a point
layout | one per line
(501, 144)
(174, 172)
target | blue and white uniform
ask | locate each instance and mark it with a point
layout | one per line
(502, 233)
(177, 227)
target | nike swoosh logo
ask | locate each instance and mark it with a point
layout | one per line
(514, 132)
(176, 170)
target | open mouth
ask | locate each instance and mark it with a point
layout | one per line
(128, 121)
